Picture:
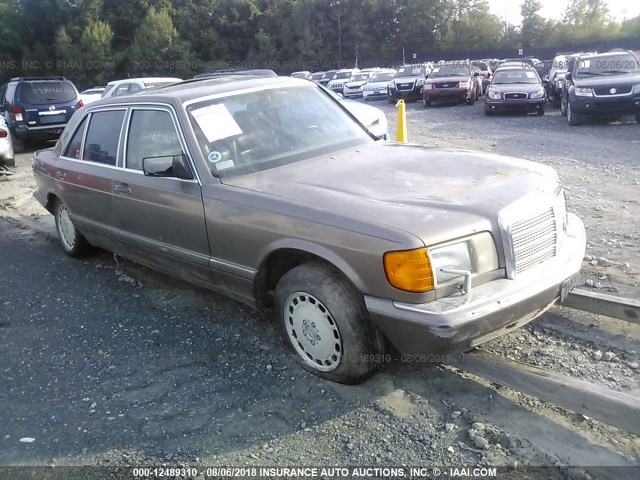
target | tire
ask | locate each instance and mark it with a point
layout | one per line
(573, 118)
(563, 107)
(426, 103)
(72, 241)
(314, 302)
(19, 145)
(472, 99)
(488, 112)
(555, 101)
(540, 112)
(391, 101)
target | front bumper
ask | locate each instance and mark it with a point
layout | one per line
(461, 322)
(374, 94)
(515, 105)
(7, 156)
(447, 94)
(622, 105)
(413, 94)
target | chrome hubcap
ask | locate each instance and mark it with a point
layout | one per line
(65, 228)
(313, 331)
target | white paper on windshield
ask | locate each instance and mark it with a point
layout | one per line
(530, 74)
(216, 122)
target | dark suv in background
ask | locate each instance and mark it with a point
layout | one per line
(37, 108)
(605, 85)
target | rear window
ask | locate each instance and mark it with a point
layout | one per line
(47, 92)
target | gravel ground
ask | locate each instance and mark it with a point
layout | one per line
(104, 362)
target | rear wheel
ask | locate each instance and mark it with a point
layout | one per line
(325, 323)
(72, 241)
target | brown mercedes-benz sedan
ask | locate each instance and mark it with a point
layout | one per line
(269, 191)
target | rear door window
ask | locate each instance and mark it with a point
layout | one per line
(75, 145)
(122, 90)
(103, 136)
(40, 93)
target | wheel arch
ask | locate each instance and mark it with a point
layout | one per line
(281, 257)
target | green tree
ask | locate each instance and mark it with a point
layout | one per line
(534, 27)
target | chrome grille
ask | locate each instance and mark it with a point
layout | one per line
(516, 96)
(404, 86)
(534, 240)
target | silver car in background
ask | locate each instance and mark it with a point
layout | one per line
(7, 156)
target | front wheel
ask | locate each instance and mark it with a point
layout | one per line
(325, 323)
(472, 99)
(573, 118)
(563, 107)
(391, 101)
(72, 241)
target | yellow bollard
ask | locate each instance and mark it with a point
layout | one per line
(401, 132)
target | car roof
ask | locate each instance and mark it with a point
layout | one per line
(145, 79)
(198, 88)
(605, 54)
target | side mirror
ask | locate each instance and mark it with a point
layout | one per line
(167, 166)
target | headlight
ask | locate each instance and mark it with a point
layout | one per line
(419, 82)
(428, 86)
(636, 88)
(475, 254)
(464, 84)
(391, 85)
(409, 270)
(538, 94)
(584, 92)
(494, 94)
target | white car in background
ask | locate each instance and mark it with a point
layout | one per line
(371, 117)
(353, 88)
(91, 94)
(128, 86)
(301, 74)
(7, 157)
(376, 87)
(340, 78)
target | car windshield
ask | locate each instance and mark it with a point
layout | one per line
(411, 72)
(317, 76)
(328, 75)
(363, 77)
(450, 70)
(256, 131)
(608, 65)
(381, 77)
(506, 77)
(342, 75)
(47, 92)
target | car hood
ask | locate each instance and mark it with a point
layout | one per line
(406, 79)
(447, 79)
(517, 87)
(406, 187)
(607, 80)
(372, 85)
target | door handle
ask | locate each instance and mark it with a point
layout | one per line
(123, 188)
(61, 174)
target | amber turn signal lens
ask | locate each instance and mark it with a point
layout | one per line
(409, 270)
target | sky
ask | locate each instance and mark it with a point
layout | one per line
(510, 9)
